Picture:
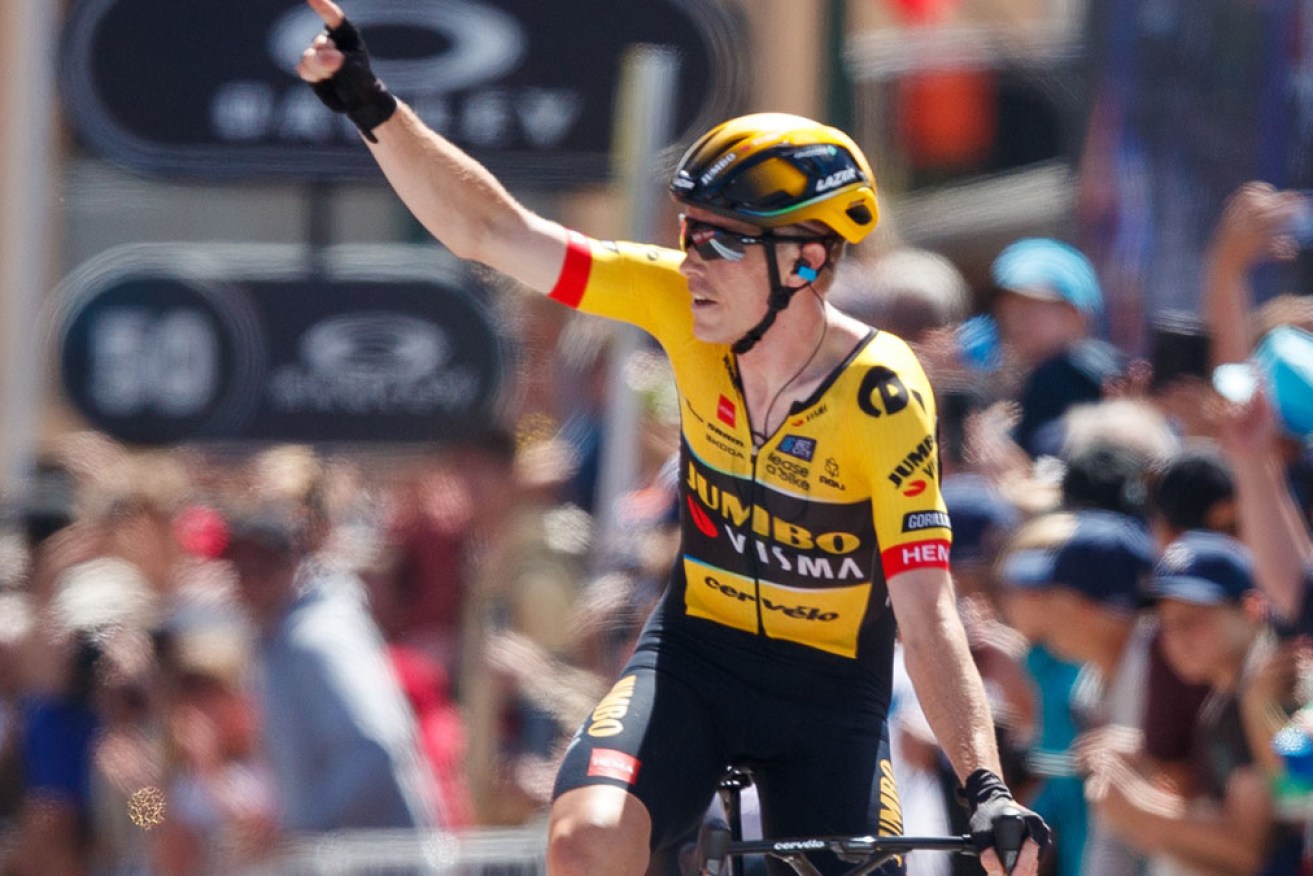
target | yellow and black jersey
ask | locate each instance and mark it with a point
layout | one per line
(791, 542)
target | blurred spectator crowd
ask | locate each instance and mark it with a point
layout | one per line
(206, 653)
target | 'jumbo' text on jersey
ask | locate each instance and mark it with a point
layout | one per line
(792, 542)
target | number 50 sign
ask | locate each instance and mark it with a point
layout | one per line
(165, 343)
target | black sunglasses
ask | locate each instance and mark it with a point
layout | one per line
(713, 242)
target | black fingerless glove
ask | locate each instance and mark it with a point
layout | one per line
(354, 90)
(994, 814)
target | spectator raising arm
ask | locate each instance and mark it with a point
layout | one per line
(1252, 229)
(1270, 521)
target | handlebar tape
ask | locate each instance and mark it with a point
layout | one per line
(1009, 836)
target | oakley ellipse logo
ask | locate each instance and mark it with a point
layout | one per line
(375, 346)
(376, 363)
(483, 43)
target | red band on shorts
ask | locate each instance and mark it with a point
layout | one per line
(932, 554)
(569, 288)
(611, 764)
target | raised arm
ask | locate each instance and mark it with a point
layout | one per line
(1252, 229)
(452, 195)
(1271, 523)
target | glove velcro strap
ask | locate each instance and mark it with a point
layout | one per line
(983, 785)
(346, 36)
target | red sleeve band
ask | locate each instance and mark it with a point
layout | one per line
(932, 554)
(570, 286)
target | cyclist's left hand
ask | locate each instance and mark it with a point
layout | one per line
(992, 815)
(1027, 862)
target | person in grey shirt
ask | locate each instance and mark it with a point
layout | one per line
(338, 731)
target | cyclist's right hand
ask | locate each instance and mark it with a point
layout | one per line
(322, 59)
(337, 67)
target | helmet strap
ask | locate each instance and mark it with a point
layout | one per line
(780, 296)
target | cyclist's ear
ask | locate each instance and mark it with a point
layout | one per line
(813, 258)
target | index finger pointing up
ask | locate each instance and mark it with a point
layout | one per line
(329, 11)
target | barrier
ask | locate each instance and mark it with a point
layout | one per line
(483, 852)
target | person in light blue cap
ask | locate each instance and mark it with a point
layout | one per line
(1285, 361)
(1262, 431)
(1047, 269)
(1048, 302)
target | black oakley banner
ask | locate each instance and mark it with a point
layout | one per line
(168, 343)
(199, 90)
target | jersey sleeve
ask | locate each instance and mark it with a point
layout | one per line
(911, 520)
(635, 283)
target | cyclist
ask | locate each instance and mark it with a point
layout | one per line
(811, 514)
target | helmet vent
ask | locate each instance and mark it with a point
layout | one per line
(859, 213)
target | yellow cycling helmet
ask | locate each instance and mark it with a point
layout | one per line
(775, 169)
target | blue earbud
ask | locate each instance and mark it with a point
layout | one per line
(807, 272)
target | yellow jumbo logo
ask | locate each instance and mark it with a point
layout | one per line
(780, 531)
(605, 720)
(828, 619)
(891, 808)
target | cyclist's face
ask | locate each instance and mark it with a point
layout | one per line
(730, 291)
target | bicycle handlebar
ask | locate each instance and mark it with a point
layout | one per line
(868, 852)
(1009, 837)
(714, 844)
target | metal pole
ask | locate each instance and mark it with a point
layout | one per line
(644, 123)
(319, 202)
(27, 182)
(838, 84)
